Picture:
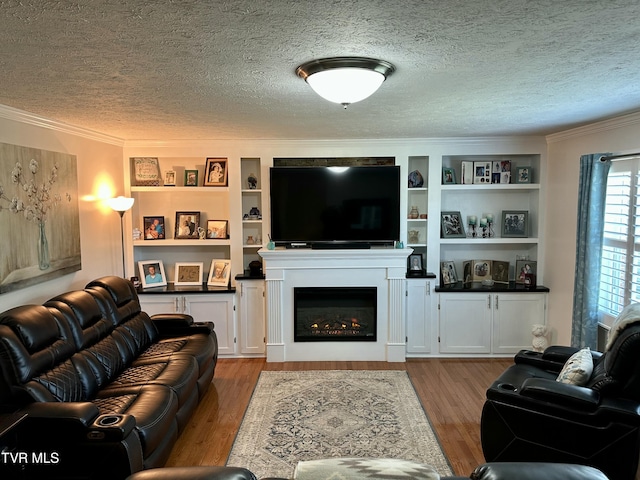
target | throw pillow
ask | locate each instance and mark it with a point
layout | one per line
(578, 368)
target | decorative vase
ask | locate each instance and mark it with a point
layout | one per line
(414, 213)
(43, 248)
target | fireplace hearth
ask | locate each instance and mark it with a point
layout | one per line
(335, 314)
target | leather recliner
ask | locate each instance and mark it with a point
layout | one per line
(102, 386)
(529, 416)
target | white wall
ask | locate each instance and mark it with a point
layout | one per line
(100, 176)
(621, 135)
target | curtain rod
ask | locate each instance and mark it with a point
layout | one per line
(619, 157)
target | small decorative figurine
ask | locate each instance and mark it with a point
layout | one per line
(540, 341)
(252, 181)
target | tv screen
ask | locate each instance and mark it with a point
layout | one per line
(327, 204)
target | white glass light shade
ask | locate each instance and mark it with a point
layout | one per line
(120, 204)
(345, 85)
(345, 80)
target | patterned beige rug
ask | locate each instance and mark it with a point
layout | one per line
(312, 415)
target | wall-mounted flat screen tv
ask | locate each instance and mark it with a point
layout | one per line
(316, 205)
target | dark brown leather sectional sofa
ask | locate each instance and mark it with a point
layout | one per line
(99, 389)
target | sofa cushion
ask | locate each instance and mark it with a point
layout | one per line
(32, 341)
(153, 406)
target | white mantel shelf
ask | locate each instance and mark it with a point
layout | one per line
(383, 268)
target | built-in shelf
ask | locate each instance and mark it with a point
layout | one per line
(181, 189)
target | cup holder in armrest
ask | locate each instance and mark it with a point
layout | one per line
(508, 387)
(111, 427)
(109, 420)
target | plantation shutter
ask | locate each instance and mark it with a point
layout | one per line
(620, 261)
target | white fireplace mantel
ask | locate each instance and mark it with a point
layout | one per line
(383, 268)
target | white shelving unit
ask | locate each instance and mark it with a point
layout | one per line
(251, 193)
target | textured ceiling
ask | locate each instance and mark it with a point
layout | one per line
(196, 69)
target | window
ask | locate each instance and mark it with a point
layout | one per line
(620, 260)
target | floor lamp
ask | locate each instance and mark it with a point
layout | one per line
(121, 204)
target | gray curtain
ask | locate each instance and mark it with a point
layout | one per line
(592, 195)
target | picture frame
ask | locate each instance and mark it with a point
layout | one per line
(145, 171)
(448, 176)
(170, 178)
(219, 273)
(524, 267)
(500, 272)
(152, 273)
(448, 275)
(187, 224)
(154, 228)
(191, 178)
(215, 172)
(217, 229)
(482, 173)
(452, 225)
(523, 174)
(515, 223)
(415, 265)
(481, 270)
(188, 273)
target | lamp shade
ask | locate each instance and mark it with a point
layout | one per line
(345, 80)
(120, 204)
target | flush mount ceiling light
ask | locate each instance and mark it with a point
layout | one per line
(345, 80)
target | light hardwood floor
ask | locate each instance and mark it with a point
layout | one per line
(452, 392)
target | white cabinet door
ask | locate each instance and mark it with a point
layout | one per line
(155, 304)
(252, 317)
(418, 313)
(513, 316)
(219, 309)
(465, 323)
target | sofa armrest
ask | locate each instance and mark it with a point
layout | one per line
(177, 324)
(79, 420)
(78, 416)
(535, 471)
(171, 320)
(561, 394)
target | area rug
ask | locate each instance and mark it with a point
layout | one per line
(311, 415)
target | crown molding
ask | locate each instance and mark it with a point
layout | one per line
(21, 116)
(310, 143)
(622, 121)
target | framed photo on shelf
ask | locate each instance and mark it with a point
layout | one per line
(188, 274)
(448, 275)
(524, 268)
(153, 228)
(500, 272)
(523, 174)
(451, 225)
(219, 273)
(481, 270)
(145, 171)
(415, 266)
(191, 178)
(217, 229)
(152, 273)
(187, 224)
(482, 173)
(448, 176)
(515, 223)
(170, 178)
(215, 172)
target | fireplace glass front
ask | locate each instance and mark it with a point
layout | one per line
(335, 314)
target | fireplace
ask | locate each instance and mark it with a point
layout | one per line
(330, 314)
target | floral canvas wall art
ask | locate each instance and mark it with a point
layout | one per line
(39, 216)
